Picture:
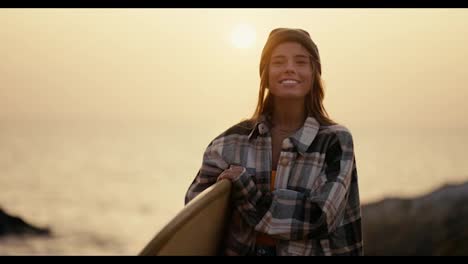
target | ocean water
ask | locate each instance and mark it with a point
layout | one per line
(107, 188)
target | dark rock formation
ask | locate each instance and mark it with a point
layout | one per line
(434, 224)
(13, 225)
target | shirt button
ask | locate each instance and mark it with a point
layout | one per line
(262, 129)
(287, 144)
(284, 161)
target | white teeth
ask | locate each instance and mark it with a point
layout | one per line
(289, 82)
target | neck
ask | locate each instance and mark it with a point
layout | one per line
(288, 114)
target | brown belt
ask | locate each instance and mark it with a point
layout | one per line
(265, 240)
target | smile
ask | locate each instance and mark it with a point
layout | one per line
(289, 81)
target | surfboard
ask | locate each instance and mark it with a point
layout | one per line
(198, 228)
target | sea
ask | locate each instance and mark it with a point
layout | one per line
(107, 187)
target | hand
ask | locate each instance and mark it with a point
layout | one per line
(231, 173)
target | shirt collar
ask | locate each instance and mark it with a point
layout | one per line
(304, 137)
(261, 127)
(301, 139)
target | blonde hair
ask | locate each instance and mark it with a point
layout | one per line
(314, 99)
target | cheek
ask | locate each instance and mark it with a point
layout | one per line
(308, 80)
(308, 84)
(272, 78)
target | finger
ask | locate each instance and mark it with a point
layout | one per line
(224, 176)
(236, 168)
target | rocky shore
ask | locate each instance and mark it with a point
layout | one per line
(14, 225)
(433, 224)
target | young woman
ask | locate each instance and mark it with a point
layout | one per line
(293, 170)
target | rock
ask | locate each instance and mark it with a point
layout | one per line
(433, 224)
(13, 225)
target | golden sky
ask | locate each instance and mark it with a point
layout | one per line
(386, 67)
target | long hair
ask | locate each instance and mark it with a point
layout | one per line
(314, 99)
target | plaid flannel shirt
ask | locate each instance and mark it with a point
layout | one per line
(315, 207)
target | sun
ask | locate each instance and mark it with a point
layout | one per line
(243, 36)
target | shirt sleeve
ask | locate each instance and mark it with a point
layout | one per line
(293, 215)
(212, 166)
(251, 203)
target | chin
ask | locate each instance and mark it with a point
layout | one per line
(290, 96)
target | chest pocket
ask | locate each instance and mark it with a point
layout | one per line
(307, 172)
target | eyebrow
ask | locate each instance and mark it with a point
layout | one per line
(295, 56)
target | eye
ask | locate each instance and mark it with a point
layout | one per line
(277, 62)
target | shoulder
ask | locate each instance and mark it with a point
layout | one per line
(242, 128)
(237, 132)
(339, 134)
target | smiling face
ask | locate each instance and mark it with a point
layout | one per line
(290, 71)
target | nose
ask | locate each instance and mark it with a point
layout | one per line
(290, 67)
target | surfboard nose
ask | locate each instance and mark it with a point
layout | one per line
(197, 229)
